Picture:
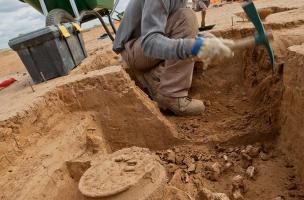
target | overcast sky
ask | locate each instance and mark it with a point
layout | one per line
(17, 18)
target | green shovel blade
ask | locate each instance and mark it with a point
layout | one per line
(260, 37)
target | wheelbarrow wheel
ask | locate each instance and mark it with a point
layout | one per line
(58, 16)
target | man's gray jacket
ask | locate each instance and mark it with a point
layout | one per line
(146, 20)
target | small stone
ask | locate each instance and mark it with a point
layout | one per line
(246, 161)
(199, 167)
(238, 183)
(237, 149)
(245, 156)
(279, 198)
(216, 167)
(179, 159)
(252, 151)
(191, 168)
(225, 158)
(188, 161)
(251, 171)
(172, 168)
(234, 155)
(227, 166)
(94, 142)
(211, 176)
(171, 156)
(213, 172)
(207, 103)
(205, 158)
(263, 156)
(186, 178)
(206, 194)
(196, 157)
(237, 195)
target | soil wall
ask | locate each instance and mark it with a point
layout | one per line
(292, 132)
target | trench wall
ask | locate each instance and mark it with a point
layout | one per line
(125, 116)
(292, 108)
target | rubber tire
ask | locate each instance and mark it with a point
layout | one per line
(58, 16)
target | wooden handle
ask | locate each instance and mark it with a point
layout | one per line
(247, 42)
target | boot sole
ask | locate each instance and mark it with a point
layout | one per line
(162, 107)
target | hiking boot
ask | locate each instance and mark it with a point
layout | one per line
(152, 84)
(148, 82)
(182, 106)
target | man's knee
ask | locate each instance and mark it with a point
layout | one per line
(186, 13)
(183, 24)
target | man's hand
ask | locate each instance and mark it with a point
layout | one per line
(213, 49)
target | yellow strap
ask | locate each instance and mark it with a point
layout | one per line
(77, 27)
(64, 31)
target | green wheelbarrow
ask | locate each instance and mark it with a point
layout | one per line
(63, 11)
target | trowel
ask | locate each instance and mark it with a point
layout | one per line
(206, 28)
(260, 38)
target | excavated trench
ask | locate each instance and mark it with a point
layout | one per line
(265, 12)
(46, 148)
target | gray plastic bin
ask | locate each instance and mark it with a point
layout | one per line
(47, 54)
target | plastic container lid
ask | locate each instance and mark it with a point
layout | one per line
(37, 37)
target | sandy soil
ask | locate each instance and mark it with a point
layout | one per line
(252, 127)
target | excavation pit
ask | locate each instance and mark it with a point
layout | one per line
(103, 111)
(265, 12)
(47, 146)
(95, 113)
